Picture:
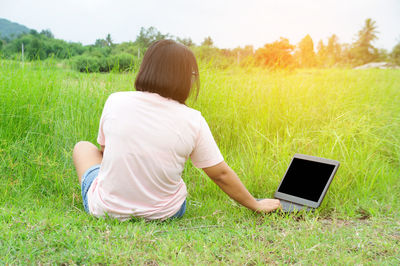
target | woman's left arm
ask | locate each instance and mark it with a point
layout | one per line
(230, 183)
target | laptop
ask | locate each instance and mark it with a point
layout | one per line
(305, 182)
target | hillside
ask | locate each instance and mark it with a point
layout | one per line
(11, 29)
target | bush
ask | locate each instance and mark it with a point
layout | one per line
(218, 58)
(85, 63)
(122, 62)
(89, 63)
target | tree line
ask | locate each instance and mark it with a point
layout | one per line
(282, 54)
(105, 55)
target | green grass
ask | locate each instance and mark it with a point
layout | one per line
(259, 120)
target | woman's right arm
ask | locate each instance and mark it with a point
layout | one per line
(230, 183)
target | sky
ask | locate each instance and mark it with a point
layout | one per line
(230, 23)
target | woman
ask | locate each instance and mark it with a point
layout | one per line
(146, 136)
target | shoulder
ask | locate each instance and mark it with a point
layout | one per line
(119, 95)
(191, 114)
(191, 111)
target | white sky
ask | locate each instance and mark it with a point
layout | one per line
(229, 23)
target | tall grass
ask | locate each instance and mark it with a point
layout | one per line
(258, 118)
(261, 119)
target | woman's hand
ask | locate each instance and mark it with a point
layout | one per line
(268, 205)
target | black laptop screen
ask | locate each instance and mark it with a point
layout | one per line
(306, 179)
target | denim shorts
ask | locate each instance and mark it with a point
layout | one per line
(181, 211)
(87, 179)
(90, 175)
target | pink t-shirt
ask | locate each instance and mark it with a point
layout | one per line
(147, 140)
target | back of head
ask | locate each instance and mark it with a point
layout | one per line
(169, 69)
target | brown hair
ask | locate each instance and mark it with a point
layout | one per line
(169, 69)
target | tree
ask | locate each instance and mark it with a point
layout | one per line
(395, 54)
(5, 39)
(185, 41)
(125, 47)
(243, 56)
(47, 33)
(147, 36)
(363, 49)
(321, 53)
(247, 50)
(207, 41)
(275, 55)
(382, 55)
(39, 46)
(35, 49)
(100, 43)
(333, 50)
(305, 53)
(109, 40)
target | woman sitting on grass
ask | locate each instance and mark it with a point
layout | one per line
(146, 136)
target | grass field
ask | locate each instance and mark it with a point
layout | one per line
(259, 120)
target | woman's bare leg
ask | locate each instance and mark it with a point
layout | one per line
(85, 155)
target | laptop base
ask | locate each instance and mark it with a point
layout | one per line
(288, 206)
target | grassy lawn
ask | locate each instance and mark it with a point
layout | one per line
(259, 120)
